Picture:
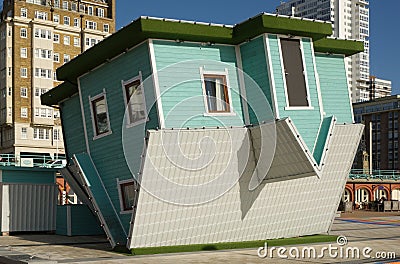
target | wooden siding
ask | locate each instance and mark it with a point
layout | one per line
(107, 152)
(334, 89)
(27, 176)
(323, 135)
(181, 87)
(255, 66)
(306, 121)
(74, 136)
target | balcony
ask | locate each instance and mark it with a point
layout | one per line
(381, 175)
(38, 161)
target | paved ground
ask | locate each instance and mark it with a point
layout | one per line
(379, 231)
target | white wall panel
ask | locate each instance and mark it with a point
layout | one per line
(287, 207)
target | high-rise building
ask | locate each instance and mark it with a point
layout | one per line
(379, 88)
(36, 37)
(350, 20)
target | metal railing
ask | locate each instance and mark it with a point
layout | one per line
(41, 161)
(360, 174)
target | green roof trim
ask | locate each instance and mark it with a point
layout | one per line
(59, 93)
(281, 25)
(338, 46)
(146, 27)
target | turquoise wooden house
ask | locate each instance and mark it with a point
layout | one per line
(183, 133)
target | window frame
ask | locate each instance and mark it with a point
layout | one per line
(56, 18)
(24, 112)
(77, 42)
(24, 53)
(24, 12)
(123, 208)
(225, 75)
(66, 21)
(56, 36)
(124, 86)
(24, 133)
(307, 87)
(106, 28)
(25, 34)
(67, 40)
(96, 135)
(56, 57)
(76, 22)
(24, 92)
(25, 71)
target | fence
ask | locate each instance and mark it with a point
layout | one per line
(42, 161)
(359, 174)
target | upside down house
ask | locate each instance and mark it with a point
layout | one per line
(181, 132)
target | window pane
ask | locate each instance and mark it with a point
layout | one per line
(100, 115)
(217, 94)
(294, 72)
(128, 195)
(136, 104)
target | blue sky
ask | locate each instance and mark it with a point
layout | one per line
(384, 23)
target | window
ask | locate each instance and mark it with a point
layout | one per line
(128, 191)
(91, 25)
(41, 134)
(76, 22)
(24, 72)
(66, 58)
(56, 19)
(42, 33)
(24, 92)
(73, 6)
(56, 134)
(66, 20)
(66, 40)
(90, 42)
(24, 133)
(24, 33)
(100, 12)
(24, 52)
(24, 112)
(296, 89)
(100, 119)
(56, 38)
(65, 5)
(41, 15)
(77, 42)
(56, 3)
(43, 53)
(9, 71)
(9, 91)
(24, 12)
(56, 57)
(134, 100)
(216, 92)
(43, 73)
(106, 28)
(90, 10)
(82, 8)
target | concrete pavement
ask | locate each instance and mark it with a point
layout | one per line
(379, 232)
